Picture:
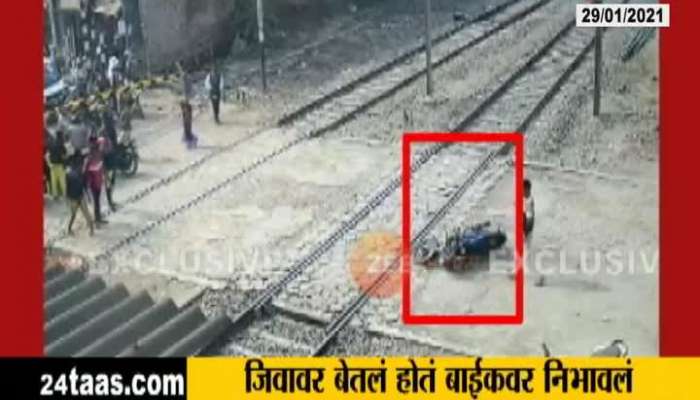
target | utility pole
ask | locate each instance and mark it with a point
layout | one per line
(54, 30)
(598, 69)
(146, 52)
(261, 41)
(428, 61)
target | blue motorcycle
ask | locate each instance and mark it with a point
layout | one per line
(460, 247)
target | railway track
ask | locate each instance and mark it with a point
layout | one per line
(557, 61)
(293, 58)
(295, 331)
(404, 57)
(338, 109)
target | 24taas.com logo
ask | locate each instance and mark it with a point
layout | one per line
(75, 384)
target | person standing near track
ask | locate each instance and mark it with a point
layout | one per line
(109, 124)
(188, 136)
(529, 225)
(529, 215)
(77, 129)
(114, 78)
(57, 156)
(187, 85)
(215, 86)
(112, 68)
(48, 139)
(109, 143)
(94, 173)
(125, 117)
(108, 149)
(75, 192)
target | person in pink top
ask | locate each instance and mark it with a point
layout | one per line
(94, 173)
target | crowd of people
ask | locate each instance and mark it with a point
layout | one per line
(81, 150)
(89, 75)
(82, 145)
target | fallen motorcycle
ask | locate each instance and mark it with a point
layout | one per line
(460, 247)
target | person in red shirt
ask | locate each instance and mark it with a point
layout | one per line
(94, 173)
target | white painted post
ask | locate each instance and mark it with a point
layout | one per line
(428, 45)
(261, 41)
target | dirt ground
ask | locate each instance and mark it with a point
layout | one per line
(278, 208)
(304, 56)
(592, 262)
(589, 264)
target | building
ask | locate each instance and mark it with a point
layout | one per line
(168, 31)
(158, 33)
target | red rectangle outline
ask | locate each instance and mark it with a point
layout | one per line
(450, 319)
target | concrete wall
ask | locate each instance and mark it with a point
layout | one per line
(176, 30)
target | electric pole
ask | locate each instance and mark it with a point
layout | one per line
(428, 61)
(261, 41)
(598, 69)
(54, 30)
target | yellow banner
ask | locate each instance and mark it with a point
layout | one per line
(443, 378)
